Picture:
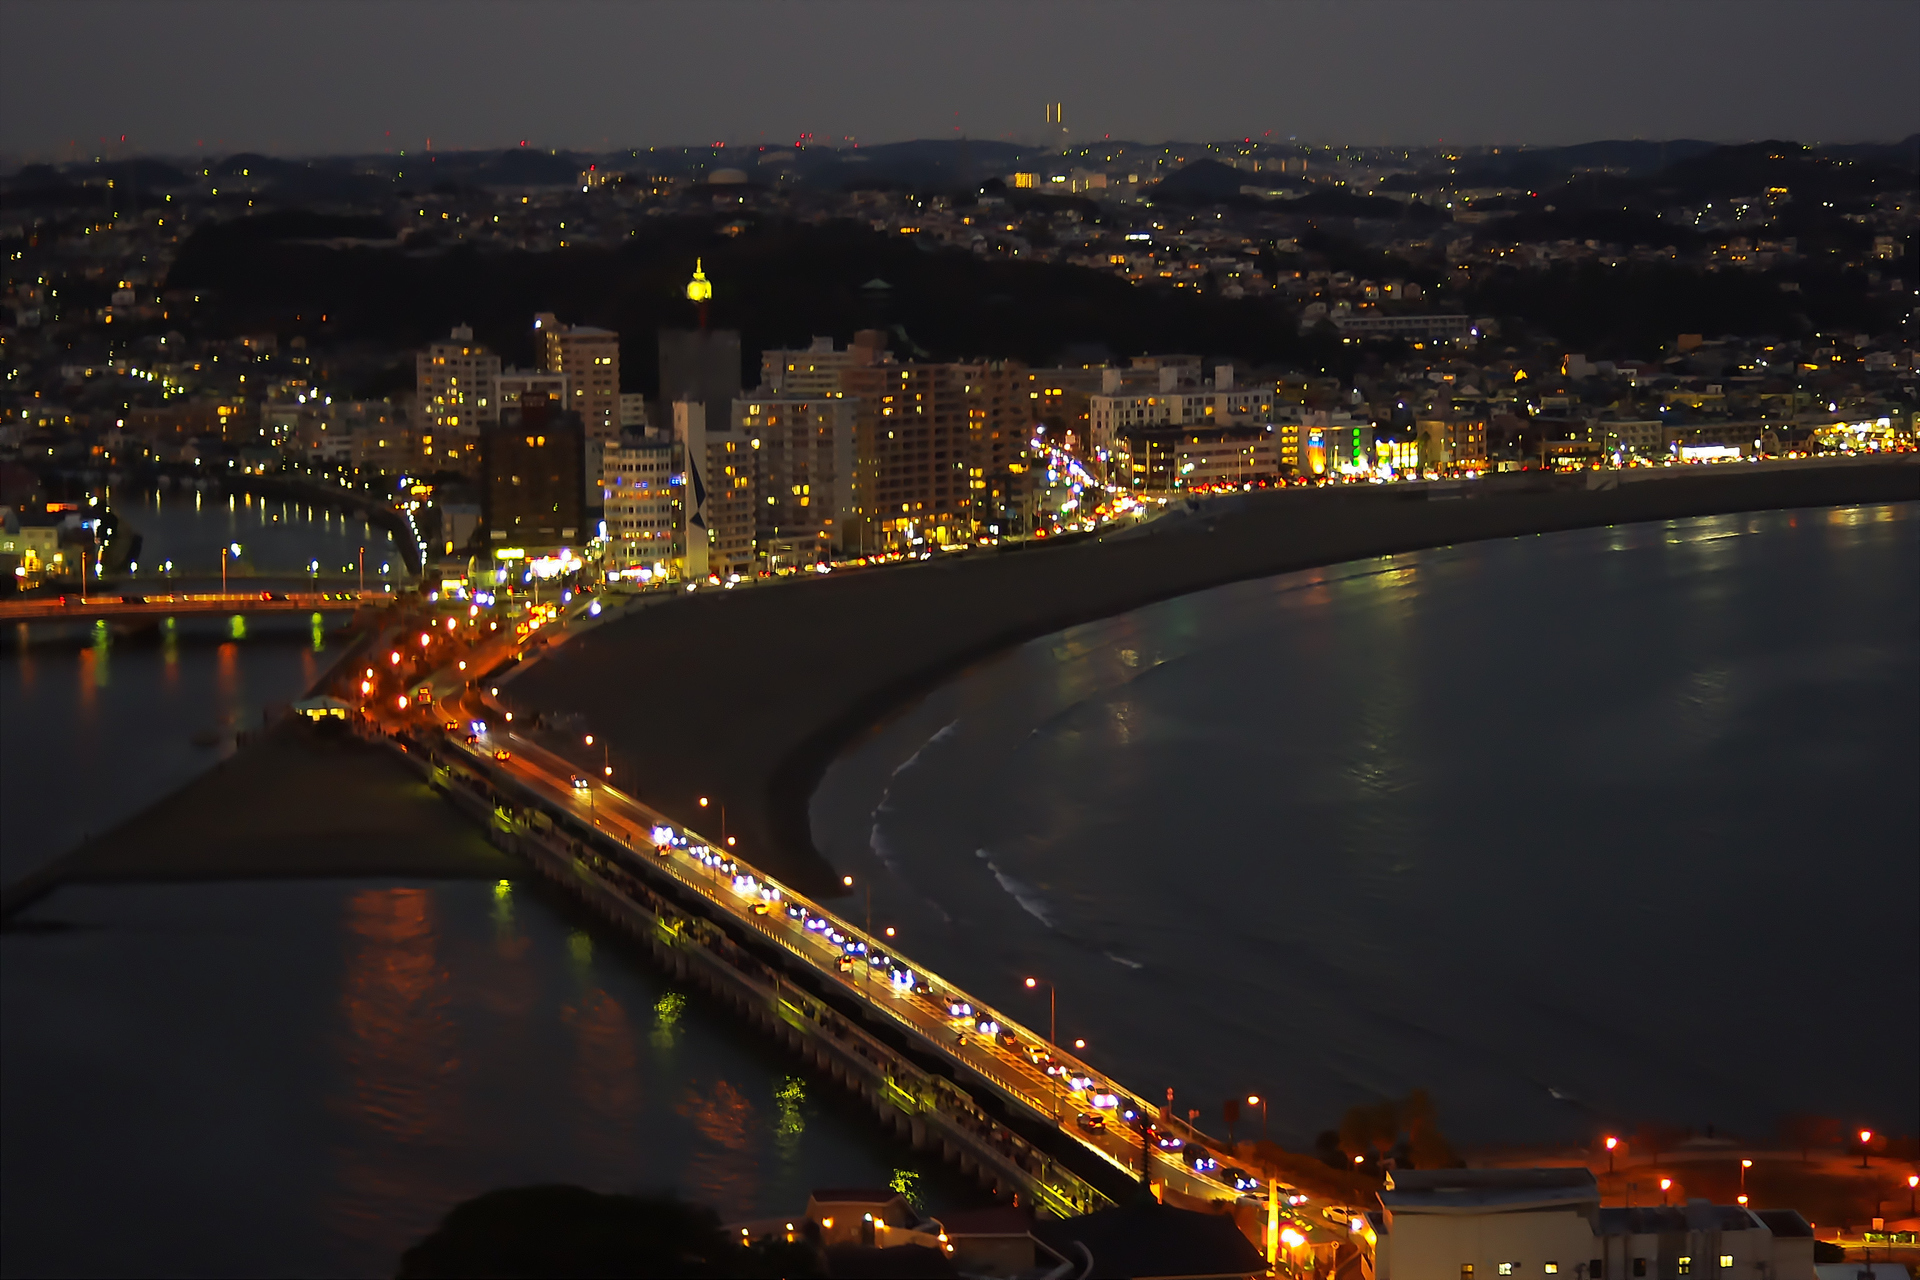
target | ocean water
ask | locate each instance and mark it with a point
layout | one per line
(301, 1078)
(1571, 831)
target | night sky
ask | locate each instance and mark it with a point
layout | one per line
(298, 76)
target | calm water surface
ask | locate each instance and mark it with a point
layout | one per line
(94, 727)
(1568, 830)
(300, 1078)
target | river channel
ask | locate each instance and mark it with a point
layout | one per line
(300, 1078)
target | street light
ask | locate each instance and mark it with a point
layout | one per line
(1866, 1136)
(1255, 1100)
(1666, 1184)
(1053, 1079)
(1913, 1180)
(1744, 1166)
(1611, 1144)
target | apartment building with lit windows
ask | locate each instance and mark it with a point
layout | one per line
(1120, 411)
(940, 451)
(640, 487)
(1452, 443)
(457, 398)
(814, 372)
(532, 496)
(589, 360)
(803, 502)
(1547, 1224)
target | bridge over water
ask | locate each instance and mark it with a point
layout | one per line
(89, 608)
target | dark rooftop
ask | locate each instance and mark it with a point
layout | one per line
(1468, 1190)
(896, 1262)
(853, 1195)
(1137, 1241)
(1786, 1224)
(995, 1220)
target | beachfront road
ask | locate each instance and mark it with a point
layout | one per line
(1050, 1083)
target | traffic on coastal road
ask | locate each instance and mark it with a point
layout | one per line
(430, 676)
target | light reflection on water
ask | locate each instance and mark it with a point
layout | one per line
(120, 719)
(301, 1078)
(1490, 820)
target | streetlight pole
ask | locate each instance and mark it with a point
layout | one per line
(1255, 1100)
(1053, 1038)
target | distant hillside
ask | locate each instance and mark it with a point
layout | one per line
(1202, 182)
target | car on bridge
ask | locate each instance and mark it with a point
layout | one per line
(1239, 1179)
(1091, 1122)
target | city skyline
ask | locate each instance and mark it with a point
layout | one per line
(167, 80)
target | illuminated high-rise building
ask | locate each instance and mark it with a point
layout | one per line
(457, 398)
(589, 359)
(803, 494)
(533, 492)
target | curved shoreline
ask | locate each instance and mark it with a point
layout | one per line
(749, 695)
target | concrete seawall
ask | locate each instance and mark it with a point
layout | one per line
(746, 695)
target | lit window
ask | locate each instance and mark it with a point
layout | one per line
(1506, 1268)
(1686, 1265)
(1466, 1271)
(1552, 1268)
(1726, 1260)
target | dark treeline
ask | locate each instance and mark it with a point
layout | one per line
(778, 283)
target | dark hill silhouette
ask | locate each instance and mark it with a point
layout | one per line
(524, 168)
(301, 224)
(778, 283)
(1750, 168)
(1202, 182)
(1346, 204)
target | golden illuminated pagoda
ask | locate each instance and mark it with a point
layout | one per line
(700, 292)
(699, 289)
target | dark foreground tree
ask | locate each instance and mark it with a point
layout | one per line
(571, 1231)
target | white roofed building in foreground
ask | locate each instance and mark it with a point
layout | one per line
(1538, 1224)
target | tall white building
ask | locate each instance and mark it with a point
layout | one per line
(640, 492)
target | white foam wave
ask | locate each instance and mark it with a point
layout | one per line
(942, 736)
(1026, 895)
